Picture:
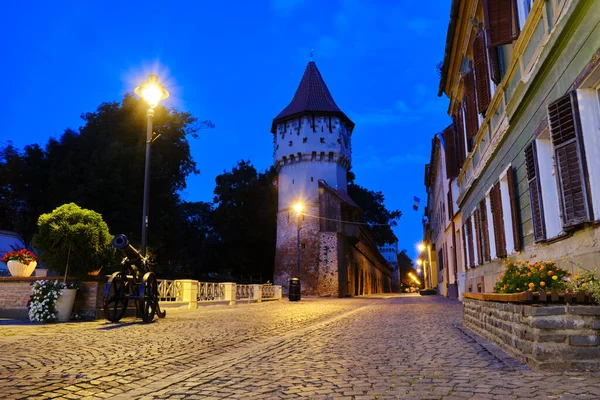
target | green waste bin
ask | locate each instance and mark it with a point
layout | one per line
(294, 292)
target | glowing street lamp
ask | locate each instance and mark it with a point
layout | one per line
(153, 92)
(421, 247)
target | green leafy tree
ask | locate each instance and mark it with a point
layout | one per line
(380, 220)
(73, 240)
(406, 267)
(101, 167)
(245, 219)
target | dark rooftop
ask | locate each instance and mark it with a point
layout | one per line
(312, 96)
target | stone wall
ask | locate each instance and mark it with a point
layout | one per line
(545, 337)
(15, 293)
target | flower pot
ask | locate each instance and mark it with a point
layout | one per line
(64, 304)
(18, 269)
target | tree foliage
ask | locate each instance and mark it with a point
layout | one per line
(74, 237)
(245, 219)
(406, 267)
(380, 220)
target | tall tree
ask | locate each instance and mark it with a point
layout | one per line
(245, 219)
(380, 220)
(406, 267)
(101, 167)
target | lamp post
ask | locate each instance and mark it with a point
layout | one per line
(153, 92)
(294, 291)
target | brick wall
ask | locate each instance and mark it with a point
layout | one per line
(545, 337)
(15, 293)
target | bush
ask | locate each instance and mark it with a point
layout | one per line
(73, 236)
(539, 276)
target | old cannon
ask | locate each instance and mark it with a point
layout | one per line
(125, 285)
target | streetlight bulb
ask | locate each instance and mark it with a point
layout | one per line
(419, 262)
(152, 94)
(421, 247)
(418, 270)
(298, 207)
(152, 91)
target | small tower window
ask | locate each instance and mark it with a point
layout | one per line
(322, 140)
(312, 179)
(339, 141)
(290, 143)
(292, 159)
(314, 156)
(303, 244)
(299, 156)
(322, 156)
(277, 147)
(330, 156)
(292, 181)
(304, 140)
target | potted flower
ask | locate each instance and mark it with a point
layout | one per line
(73, 241)
(21, 263)
(49, 302)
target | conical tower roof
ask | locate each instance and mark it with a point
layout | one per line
(312, 96)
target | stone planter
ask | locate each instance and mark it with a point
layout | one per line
(64, 304)
(546, 337)
(20, 270)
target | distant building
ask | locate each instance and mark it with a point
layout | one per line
(312, 154)
(521, 178)
(389, 251)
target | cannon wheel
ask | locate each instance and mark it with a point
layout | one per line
(115, 297)
(149, 298)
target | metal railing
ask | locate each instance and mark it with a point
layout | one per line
(244, 292)
(268, 292)
(208, 291)
(170, 290)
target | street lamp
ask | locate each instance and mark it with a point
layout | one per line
(153, 92)
(294, 291)
(421, 247)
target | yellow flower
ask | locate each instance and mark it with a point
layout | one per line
(583, 284)
(531, 284)
(529, 274)
(555, 277)
(576, 277)
(542, 283)
(519, 289)
(550, 272)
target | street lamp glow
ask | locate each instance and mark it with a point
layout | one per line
(419, 262)
(418, 270)
(298, 207)
(152, 91)
(421, 247)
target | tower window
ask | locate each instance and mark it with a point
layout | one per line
(331, 156)
(322, 140)
(303, 245)
(277, 147)
(312, 179)
(304, 140)
(292, 181)
(290, 143)
(339, 141)
(314, 156)
(322, 156)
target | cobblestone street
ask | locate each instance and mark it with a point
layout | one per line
(384, 347)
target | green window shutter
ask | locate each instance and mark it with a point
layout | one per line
(459, 138)
(565, 129)
(470, 105)
(535, 192)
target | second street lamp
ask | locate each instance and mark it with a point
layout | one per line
(294, 290)
(153, 92)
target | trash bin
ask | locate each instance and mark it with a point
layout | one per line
(294, 292)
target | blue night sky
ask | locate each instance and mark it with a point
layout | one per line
(238, 63)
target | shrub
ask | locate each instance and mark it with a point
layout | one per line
(539, 276)
(74, 238)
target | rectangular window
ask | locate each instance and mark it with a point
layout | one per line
(524, 7)
(490, 222)
(498, 220)
(563, 118)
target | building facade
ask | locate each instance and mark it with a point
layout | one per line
(523, 79)
(312, 154)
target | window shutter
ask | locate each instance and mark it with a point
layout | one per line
(494, 64)
(514, 210)
(535, 192)
(470, 105)
(469, 230)
(501, 20)
(464, 243)
(485, 235)
(459, 135)
(498, 220)
(482, 75)
(565, 128)
(450, 204)
(450, 151)
(478, 236)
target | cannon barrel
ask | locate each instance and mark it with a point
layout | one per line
(122, 243)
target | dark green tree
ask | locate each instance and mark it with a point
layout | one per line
(406, 267)
(101, 167)
(245, 219)
(380, 220)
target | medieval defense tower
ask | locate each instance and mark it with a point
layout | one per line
(312, 153)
